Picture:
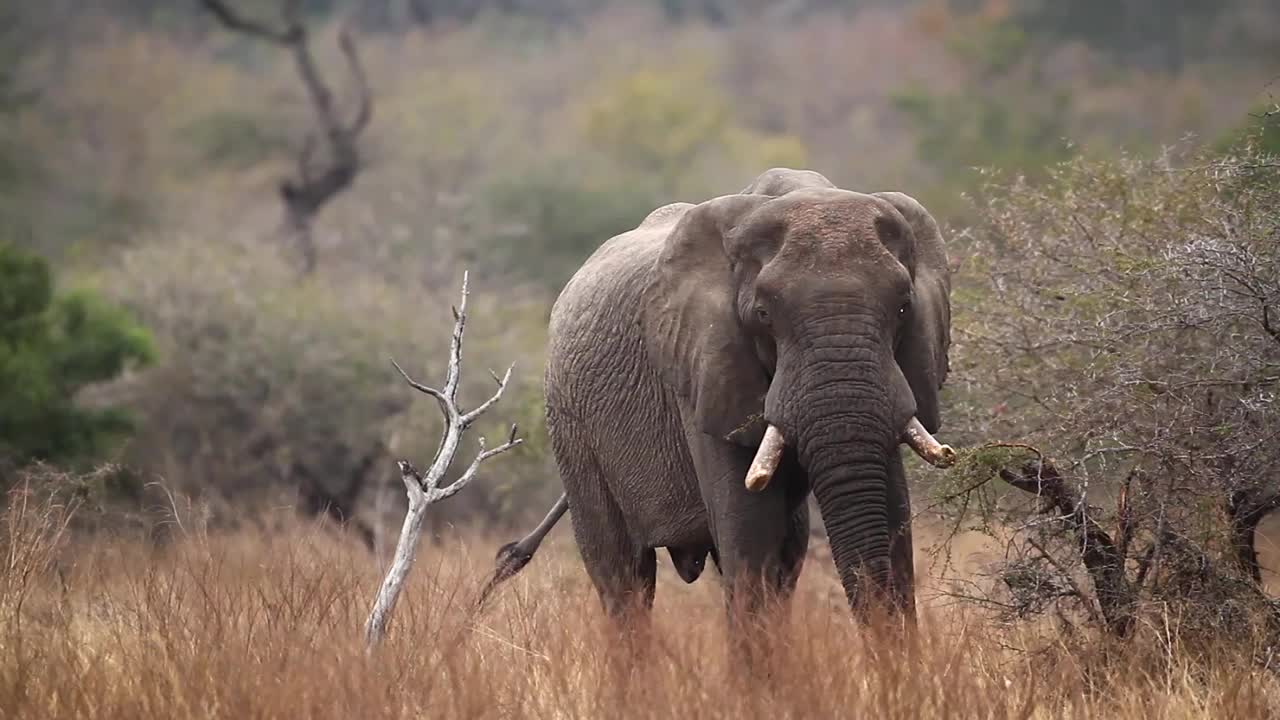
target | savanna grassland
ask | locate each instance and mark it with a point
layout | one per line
(182, 404)
(256, 626)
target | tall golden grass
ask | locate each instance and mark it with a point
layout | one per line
(269, 626)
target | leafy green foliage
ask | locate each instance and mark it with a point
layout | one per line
(51, 347)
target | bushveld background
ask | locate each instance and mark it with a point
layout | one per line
(199, 423)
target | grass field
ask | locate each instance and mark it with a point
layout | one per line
(249, 626)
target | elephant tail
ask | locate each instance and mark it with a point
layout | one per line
(513, 556)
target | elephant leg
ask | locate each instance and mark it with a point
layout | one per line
(901, 552)
(751, 530)
(623, 572)
(794, 549)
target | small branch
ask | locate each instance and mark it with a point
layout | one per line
(1272, 330)
(455, 343)
(1076, 591)
(1124, 513)
(439, 396)
(469, 475)
(497, 395)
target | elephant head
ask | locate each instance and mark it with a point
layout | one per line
(801, 314)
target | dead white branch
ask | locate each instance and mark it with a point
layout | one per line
(425, 489)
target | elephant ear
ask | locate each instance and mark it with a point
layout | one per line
(776, 182)
(691, 327)
(922, 352)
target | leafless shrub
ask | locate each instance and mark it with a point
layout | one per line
(1122, 323)
(35, 516)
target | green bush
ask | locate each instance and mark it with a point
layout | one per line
(51, 347)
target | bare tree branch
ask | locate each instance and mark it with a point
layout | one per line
(1098, 551)
(440, 398)
(306, 157)
(1272, 330)
(425, 489)
(364, 103)
(313, 187)
(238, 23)
(461, 482)
(497, 395)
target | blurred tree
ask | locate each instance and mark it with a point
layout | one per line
(1012, 120)
(1161, 33)
(317, 180)
(727, 12)
(668, 123)
(550, 221)
(656, 121)
(1261, 130)
(50, 348)
(18, 165)
(167, 14)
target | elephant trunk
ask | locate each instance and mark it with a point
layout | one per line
(844, 427)
(850, 482)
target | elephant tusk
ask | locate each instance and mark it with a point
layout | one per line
(928, 448)
(766, 461)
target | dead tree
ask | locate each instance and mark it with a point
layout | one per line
(1210, 583)
(316, 181)
(1102, 557)
(425, 489)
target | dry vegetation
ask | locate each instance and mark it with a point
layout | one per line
(251, 625)
(512, 148)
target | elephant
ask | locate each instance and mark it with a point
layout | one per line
(709, 369)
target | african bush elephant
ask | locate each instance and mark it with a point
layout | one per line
(710, 368)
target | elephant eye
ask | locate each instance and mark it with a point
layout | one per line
(906, 305)
(762, 315)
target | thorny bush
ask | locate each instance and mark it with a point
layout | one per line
(1121, 323)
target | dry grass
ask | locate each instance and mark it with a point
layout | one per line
(249, 626)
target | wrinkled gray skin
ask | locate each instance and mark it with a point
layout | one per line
(821, 311)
